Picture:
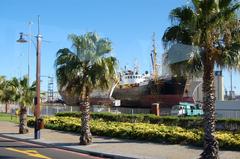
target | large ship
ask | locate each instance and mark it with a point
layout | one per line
(136, 90)
(141, 91)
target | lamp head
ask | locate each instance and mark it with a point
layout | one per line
(21, 39)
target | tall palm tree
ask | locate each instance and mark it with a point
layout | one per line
(24, 95)
(84, 69)
(213, 27)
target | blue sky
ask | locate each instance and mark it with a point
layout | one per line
(129, 24)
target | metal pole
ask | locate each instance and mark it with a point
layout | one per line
(37, 107)
(231, 91)
(29, 49)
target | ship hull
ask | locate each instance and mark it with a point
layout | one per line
(166, 92)
(147, 100)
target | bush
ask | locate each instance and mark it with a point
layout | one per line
(185, 122)
(143, 131)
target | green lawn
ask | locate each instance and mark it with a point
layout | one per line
(9, 117)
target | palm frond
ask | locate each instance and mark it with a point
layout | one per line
(86, 68)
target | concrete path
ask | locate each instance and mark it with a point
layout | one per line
(110, 147)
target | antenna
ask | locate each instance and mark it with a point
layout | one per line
(38, 24)
(136, 66)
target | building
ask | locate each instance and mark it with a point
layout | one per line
(179, 53)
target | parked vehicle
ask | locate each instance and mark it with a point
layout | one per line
(187, 109)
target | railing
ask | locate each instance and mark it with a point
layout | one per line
(100, 108)
(45, 109)
(228, 113)
(53, 109)
(10, 107)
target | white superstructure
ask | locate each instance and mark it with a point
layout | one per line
(133, 78)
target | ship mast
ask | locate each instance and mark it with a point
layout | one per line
(154, 59)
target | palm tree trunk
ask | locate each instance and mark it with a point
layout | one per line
(211, 146)
(23, 120)
(85, 134)
(6, 107)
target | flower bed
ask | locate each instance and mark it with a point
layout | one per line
(142, 131)
(185, 122)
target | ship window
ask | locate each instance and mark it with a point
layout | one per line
(130, 77)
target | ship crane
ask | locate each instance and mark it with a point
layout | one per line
(154, 59)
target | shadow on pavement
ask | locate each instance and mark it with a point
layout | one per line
(110, 142)
(9, 157)
(64, 132)
(65, 144)
(22, 146)
(6, 141)
(194, 147)
(10, 133)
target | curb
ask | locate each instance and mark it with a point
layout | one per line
(92, 153)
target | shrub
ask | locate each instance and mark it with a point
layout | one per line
(185, 122)
(142, 131)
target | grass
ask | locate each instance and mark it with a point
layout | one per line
(9, 117)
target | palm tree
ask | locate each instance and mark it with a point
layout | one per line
(2, 83)
(87, 68)
(6, 92)
(213, 27)
(2, 89)
(24, 95)
(8, 96)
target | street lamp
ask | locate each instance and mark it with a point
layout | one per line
(22, 40)
(37, 98)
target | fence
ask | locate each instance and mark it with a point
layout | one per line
(228, 113)
(10, 107)
(53, 109)
(100, 108)
(45, 109)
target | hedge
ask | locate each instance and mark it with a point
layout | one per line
(185, 122)
(143, 131)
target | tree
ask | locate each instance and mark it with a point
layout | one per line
(213, 27)
(87, 68)
(2, 83)
(24, 95)
(6, 92)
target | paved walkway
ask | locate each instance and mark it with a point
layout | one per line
(109, 147)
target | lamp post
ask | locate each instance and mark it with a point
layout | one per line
(37, 98)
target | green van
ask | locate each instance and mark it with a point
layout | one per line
(187, 109)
